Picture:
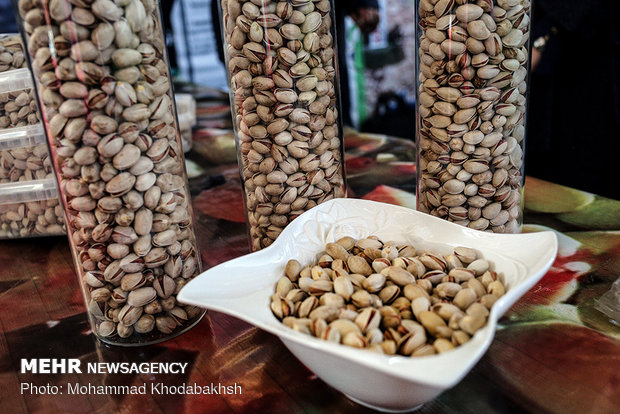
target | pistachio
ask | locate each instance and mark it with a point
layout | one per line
(164, 286)
(399, 276)
(129, 315)
(106, 328)
(145, 324)
(419, 305)
(106, 10)
(344, 305)
(496, 288)
(343, 287)
(165, 324)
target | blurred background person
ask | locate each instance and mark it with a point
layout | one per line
(574, 113)
(365, 14)
(166, 14)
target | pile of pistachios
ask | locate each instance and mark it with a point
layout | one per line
(35, 218)
(25, 164)
(281, 65)
(388, 297)
(11, 52)
(17, 108)
(473, 60)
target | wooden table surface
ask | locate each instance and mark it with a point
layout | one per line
(554, 352)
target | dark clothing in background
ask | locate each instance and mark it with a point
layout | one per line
(217, 27)
(574, 114)
(8, 24)
(344, 8)
(166, 15)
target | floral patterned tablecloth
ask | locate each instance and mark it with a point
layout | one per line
(554, 351)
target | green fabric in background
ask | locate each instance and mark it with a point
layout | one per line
(360, 81)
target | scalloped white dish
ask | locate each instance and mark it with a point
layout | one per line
(242, 288)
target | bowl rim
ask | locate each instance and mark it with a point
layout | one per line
(413, 369)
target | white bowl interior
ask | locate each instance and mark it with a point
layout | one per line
(242, 287)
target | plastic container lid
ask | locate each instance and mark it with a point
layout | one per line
(27, 191)
(15, 80)
(26, 136)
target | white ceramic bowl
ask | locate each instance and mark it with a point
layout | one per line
(242, 288)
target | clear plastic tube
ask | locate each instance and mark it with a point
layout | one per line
(284, 96)
(103, 82)
(472, 67)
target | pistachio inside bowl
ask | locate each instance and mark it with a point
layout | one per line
(243, 288)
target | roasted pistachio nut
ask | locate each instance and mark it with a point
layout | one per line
(105, 87)
(281, 61)
(409, 307)
(472, 96)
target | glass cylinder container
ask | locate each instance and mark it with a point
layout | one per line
(471, 104)
(102, 78)
(284, 95)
